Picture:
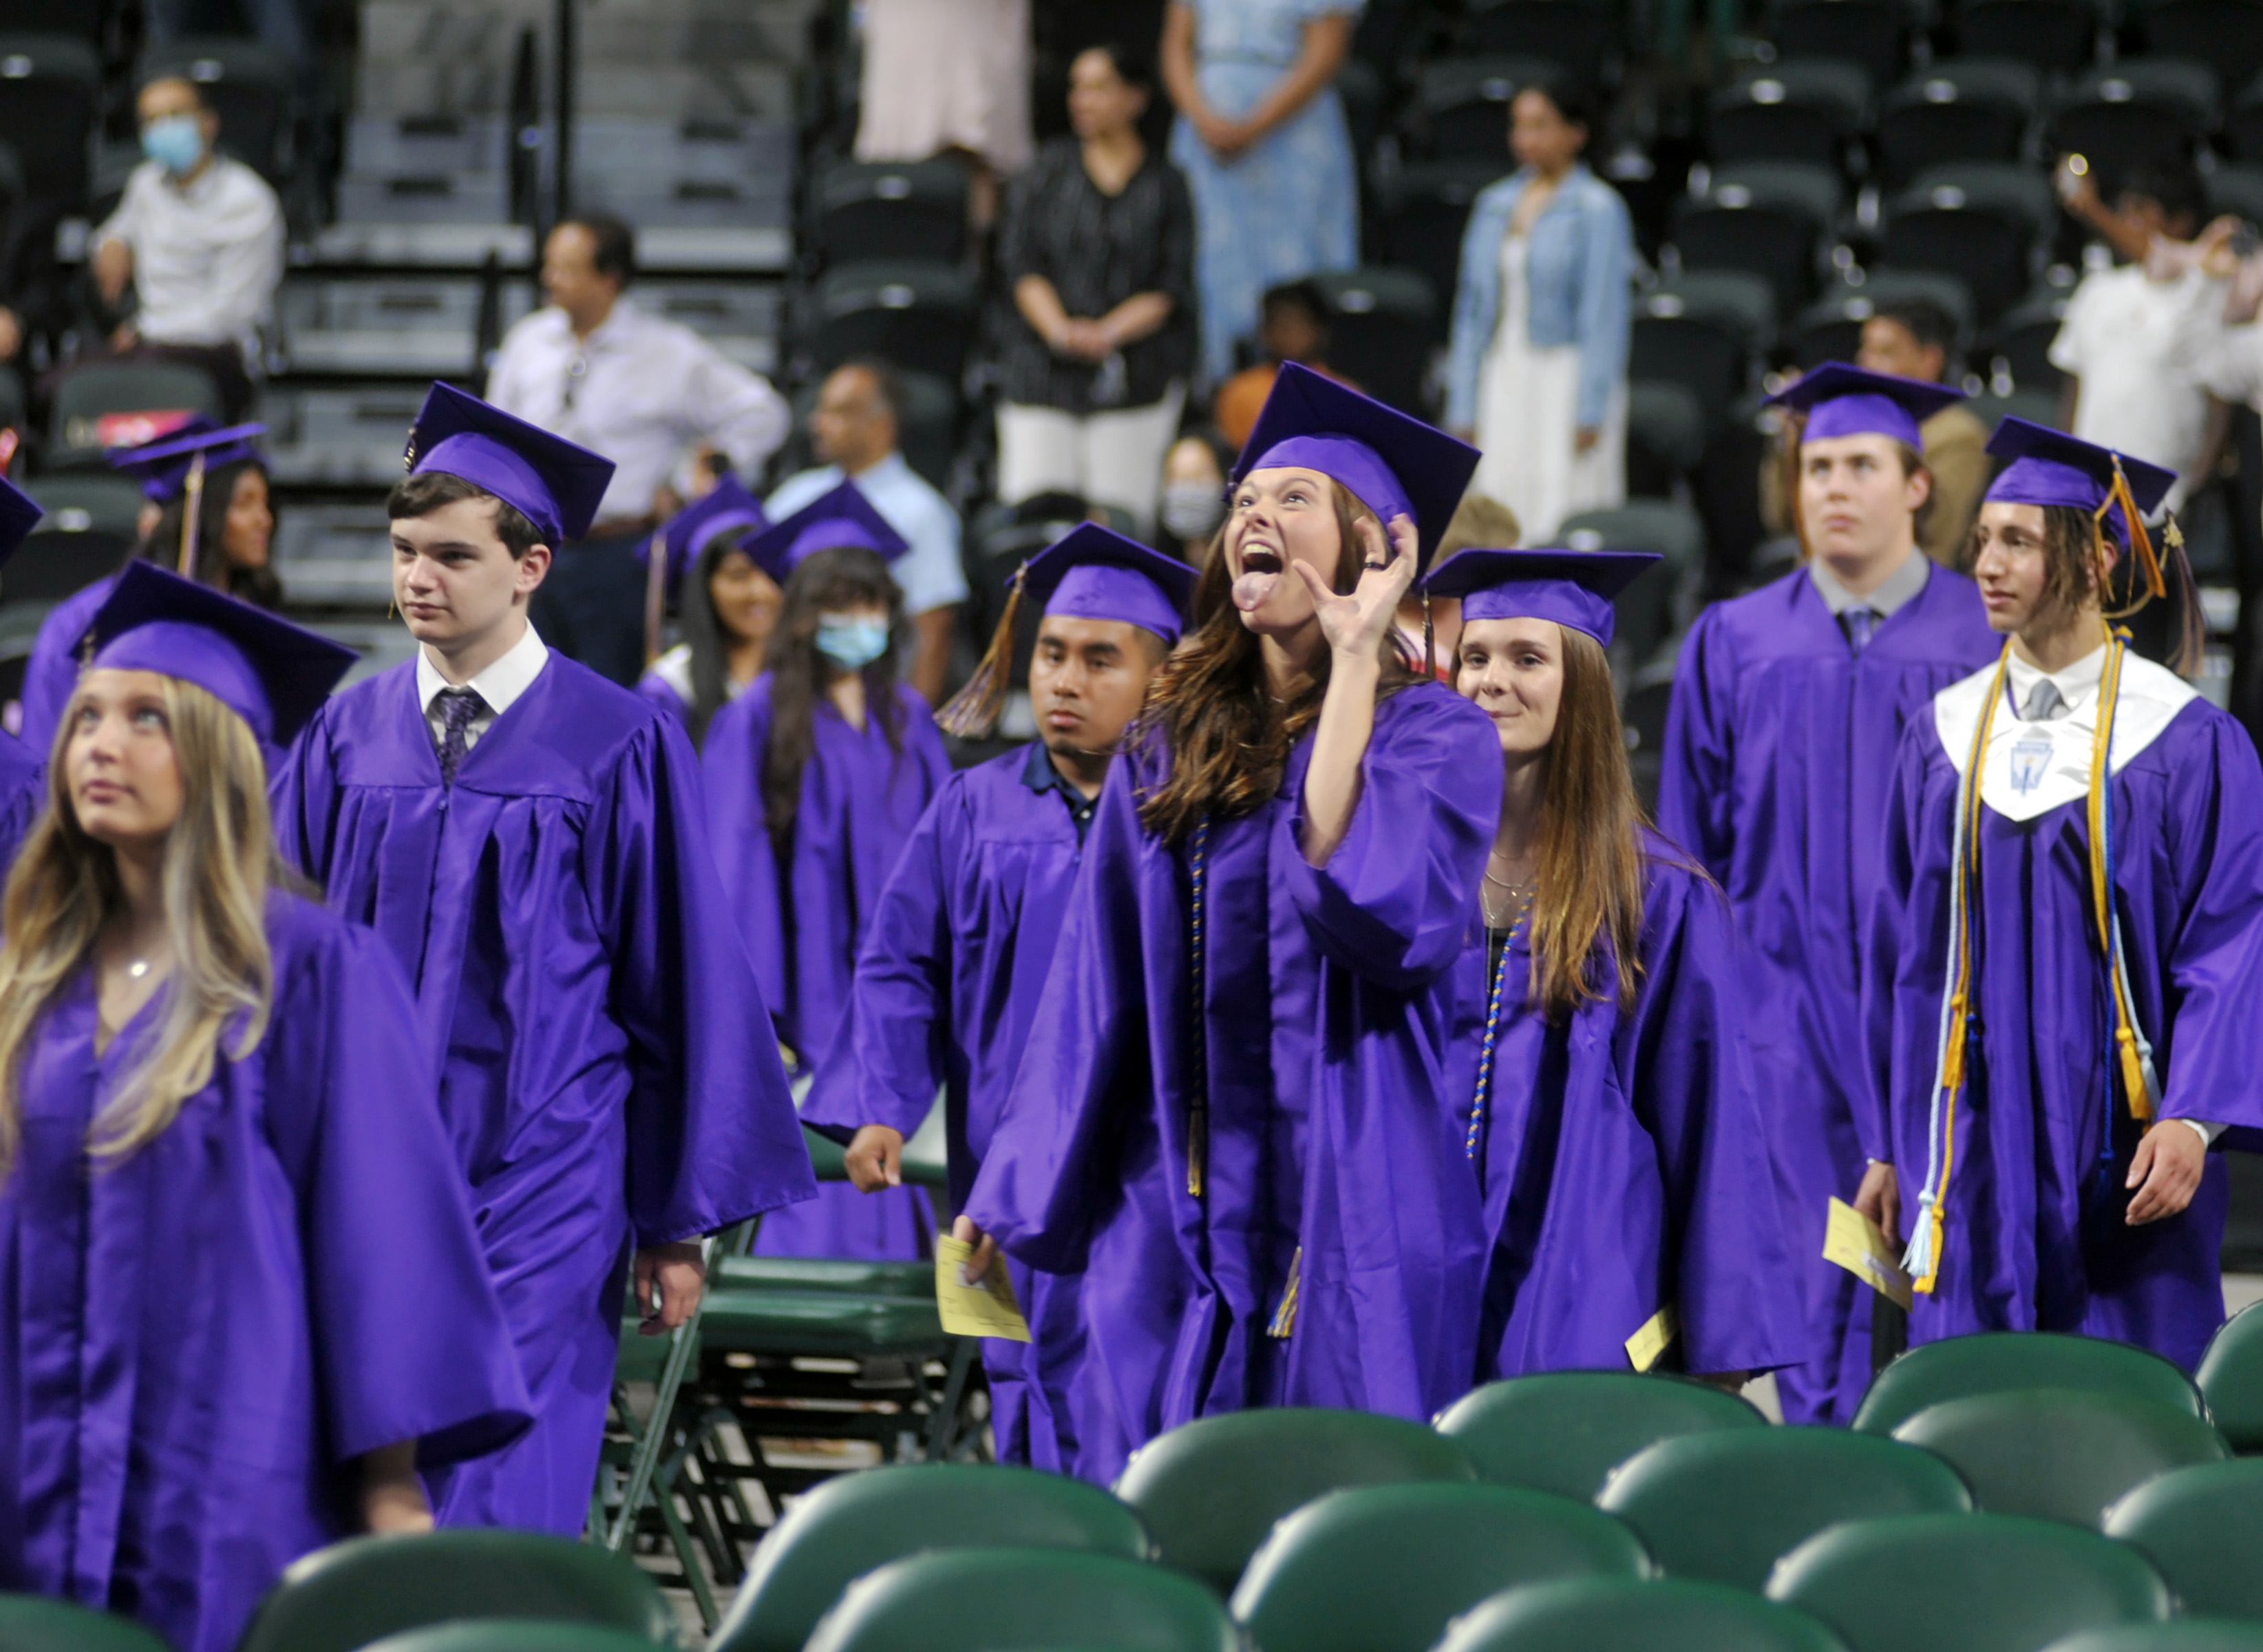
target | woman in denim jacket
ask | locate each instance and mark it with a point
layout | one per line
(1536, 376)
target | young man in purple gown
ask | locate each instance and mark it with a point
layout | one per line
(529, 839)
(962, 940)
(1788, 703)
(2054, 1066)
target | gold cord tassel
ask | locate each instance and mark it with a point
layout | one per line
(972, 713)
(192, 510)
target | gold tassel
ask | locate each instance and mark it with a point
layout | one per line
(972, 713)
(192, 510)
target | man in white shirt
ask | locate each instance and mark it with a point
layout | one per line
(854, 428)
(198, 239)
(593, 368)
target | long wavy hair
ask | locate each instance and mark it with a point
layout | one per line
(162, 545)
(704, 633)
(845, 577)
(1586, 916)
(1209, 705)
(220, 862)
(2083, 563)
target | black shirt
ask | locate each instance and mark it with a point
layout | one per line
(1042, 776)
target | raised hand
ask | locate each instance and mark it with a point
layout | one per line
(1357, 626)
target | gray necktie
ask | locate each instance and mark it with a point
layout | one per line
(2045, 703)
(458, 707)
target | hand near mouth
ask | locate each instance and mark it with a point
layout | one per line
(1357, 625)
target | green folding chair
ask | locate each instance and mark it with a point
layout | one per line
(28, 1623)
(2186, 1634)
(2231, 1377)
(1722, 1507)
(1211, 1490)
(856, 1523)
(2203, 1528)
(1610, 1615)
(1992, 1362)
(1385, 1568)
(1967, 1582)
(2059, 1453)
(341, 1598)
(512, 1634)
(1565, 1431)
(1024, 1600)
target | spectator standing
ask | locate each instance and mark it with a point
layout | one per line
(593, 367)
(2131, 385)
(1098, 254)
(197, 240)
(948, 77)
(1536, 369)
(1261, 136)
(854, 428)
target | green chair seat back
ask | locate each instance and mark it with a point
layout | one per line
(2186, 1634)
(1210, 1491)
(2203, 1528)
(1383, 1569)
(1024, 1600)
(29, 1623)
(1565, 1432)
(842, 1276)
(1607, 1615)
(1993, 1361)
(2231, 1377)
(1721, 1507)
(854, 1523)
(1967, 1582)
(820, 1324)
(513, 1634)
(2059, 1454)
(340, 1598)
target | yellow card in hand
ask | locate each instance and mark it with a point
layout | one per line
(1646, 1345)
(1854, 1242)
(987, 1309)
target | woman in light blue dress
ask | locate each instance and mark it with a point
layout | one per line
(1261, 136)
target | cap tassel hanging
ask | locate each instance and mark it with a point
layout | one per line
(972, 713)
(2158, 574)
(192, 510)
(655, 594)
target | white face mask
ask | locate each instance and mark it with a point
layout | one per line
(1192, 510)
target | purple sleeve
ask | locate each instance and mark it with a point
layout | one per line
(711, 1133)
(731, 773)
(1694, 793)
(2215, 963)
(300, 794)
(1395, 902)
(657, 693)
(1898, 949)
(410, 1337)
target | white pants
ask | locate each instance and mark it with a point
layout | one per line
(1114, 458)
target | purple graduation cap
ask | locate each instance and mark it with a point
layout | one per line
(18, 516)
(164, 464)
(2048, 467)
(726, 507)
(549, 481)
(1092, 573)
(1840, 400)
(1394, 465)
(841, 520)
(272, 673)
(1575, 588)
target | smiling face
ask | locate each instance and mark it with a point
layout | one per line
(1857, 497)
(1278, 516)
(746, 600)
(1513, 670)
(453, 579)
(123, 774)
(1087, 680)
(250, 524)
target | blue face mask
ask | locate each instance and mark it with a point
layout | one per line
(176, 142)
(851, 644)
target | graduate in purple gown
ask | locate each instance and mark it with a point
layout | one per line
(2055, 1065)
(1233, 1112)
(227, 541)
(243, 1297)
(1788, 703)
(725, 609)
(816, 776)
(23, 767)
(529, 839)
(1610, 1108)
(959, 948)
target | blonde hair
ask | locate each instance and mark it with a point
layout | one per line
(218, 863)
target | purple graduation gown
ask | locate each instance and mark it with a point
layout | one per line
(947, 984)
(859, 803)
(52, 671)
(202, 1337)
(1334, 1155)
(2035, 1238)
(656, 692)
(1623, 1162)
(23, 794)
(606, 1064)
(1779, 749)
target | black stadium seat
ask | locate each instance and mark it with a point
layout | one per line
(1831, 329)
(2223, 36)
(1871, 34)
(1791, 112)
(1765, 217)
(1461, 104)
(1961, 110)
(48, 86)
(2059, 37)
(921, 316)
(2020, 347)
(1422, 209)
(2143, 109)
(1582, 35)
(891, 210)
(1705, 330)
(2243, 122)
(1987, 225)
(1382, 323)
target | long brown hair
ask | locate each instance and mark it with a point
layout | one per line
(2083, 562)
(847, 576)
(1590, 873)
(257, 586)
(220, 862)
(1229, 747)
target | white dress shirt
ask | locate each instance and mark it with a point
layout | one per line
(207, 254)
(498, 687)
(928, 574)
(641, 390)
